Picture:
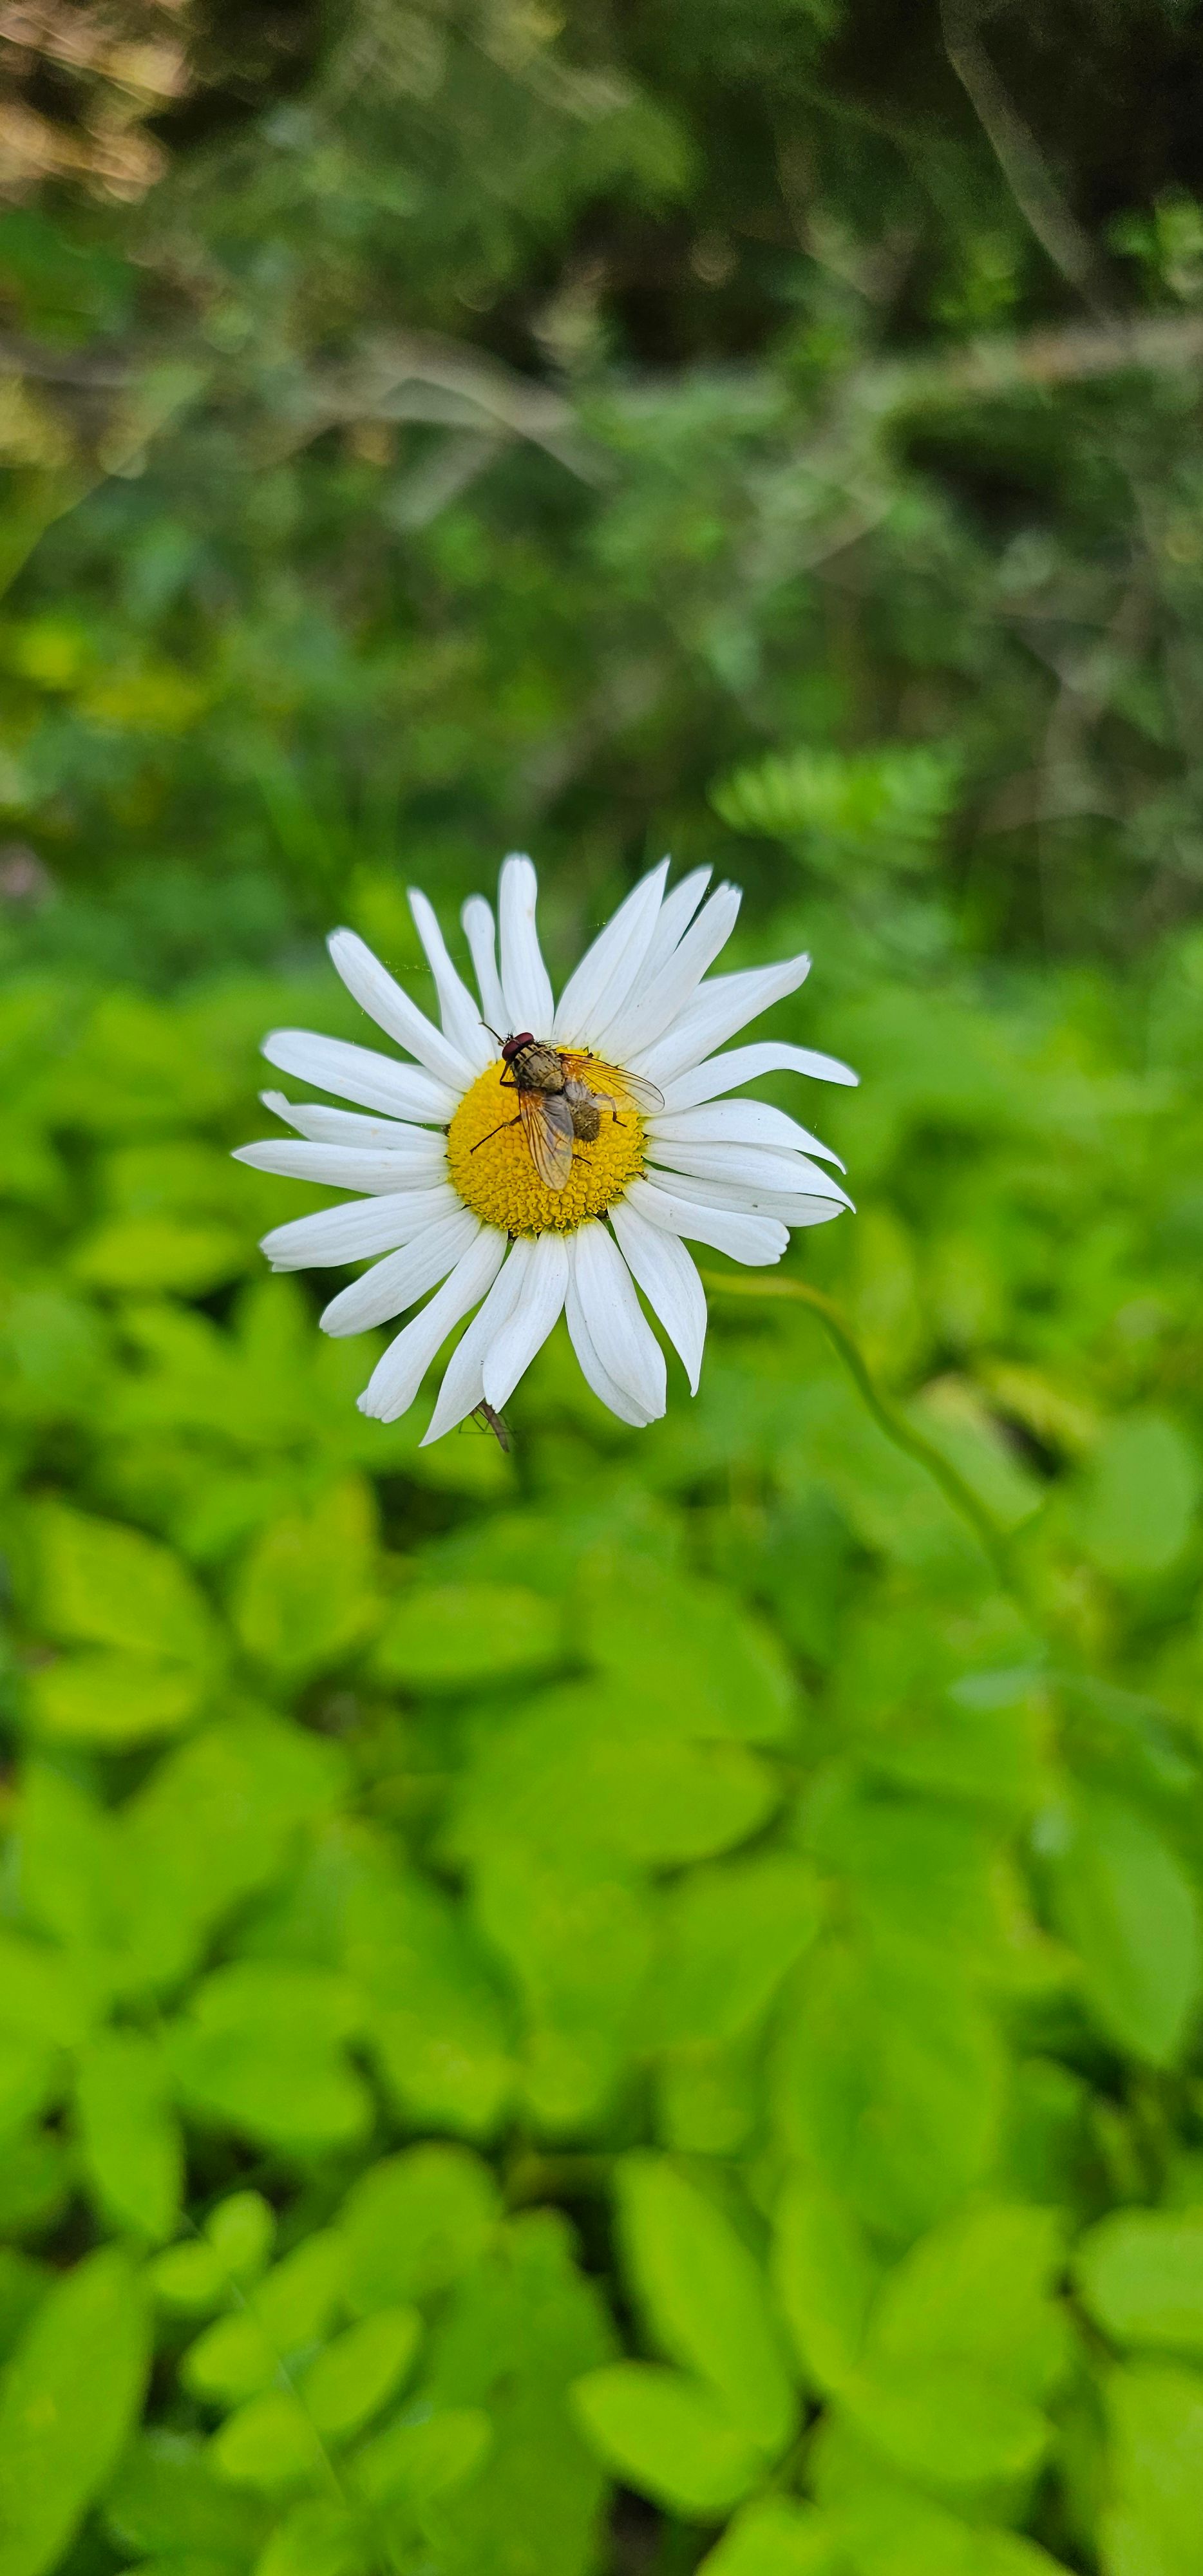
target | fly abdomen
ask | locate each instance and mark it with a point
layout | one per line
(586, 1120)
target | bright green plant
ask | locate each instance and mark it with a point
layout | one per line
(669, 1960)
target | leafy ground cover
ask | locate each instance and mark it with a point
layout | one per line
(651, 1963)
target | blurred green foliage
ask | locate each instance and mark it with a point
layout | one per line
(635, 2005)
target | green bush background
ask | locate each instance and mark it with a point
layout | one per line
(636, 2004)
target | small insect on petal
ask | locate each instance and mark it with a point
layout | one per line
(490, 1420)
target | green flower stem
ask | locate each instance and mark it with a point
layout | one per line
(897, 1427)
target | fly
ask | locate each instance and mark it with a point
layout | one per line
(558, 1104)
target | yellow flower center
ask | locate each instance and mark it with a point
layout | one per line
(496, 1177)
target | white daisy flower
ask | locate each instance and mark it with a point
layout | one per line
(530, 1158)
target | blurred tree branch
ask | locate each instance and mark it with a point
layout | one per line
(1020, 159)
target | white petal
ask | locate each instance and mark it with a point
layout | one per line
(609, 968)
(395, 1380)
(591, 1369)
(803, 1212)
(461, 1019)
(617, 1326)
(536, 1310)
(479, 931)
(358, 1229)
(737, 1122)
(676, 913)
(524, 978)
(661, 1003)
(666, 1273)
(790, 1206)
(756, 1240)
(721, 1073)
(358, 1073)
(405, 1276)
(351, 1167)
(717, 1011)
(376, 993)
(750, 1167)
(463, 1384)
(325, 1126)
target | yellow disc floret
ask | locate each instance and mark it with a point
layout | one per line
(497, 1179)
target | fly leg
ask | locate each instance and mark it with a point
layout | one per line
(496, 1131)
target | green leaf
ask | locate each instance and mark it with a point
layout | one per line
(704, 2297)
(152, 1649)
(776, 2538)
(940, 2372)
(354, 2377)
(415, 2222)
(1140, 1499)
(586, 1769)
(579, 1941)
(283, 2315)
(30, 2076)
(708, 2099)
(514, 2334)
(23, 2286)
(69, 1861)
(133, 2155)
(825, 2277)
(232, 2251)
(71, 2393)
(977, 2290)
(306, 1597)
(240, 2231)
(161, 1252)
(895, 2532)
(264, 2048)
(947, 2425)
(37, 2176)
(889, 2083)
(422, 2456)
(914, 1872)
(438, 2025)
(268, 2443)
(1125, 1902)
(688, 1650)
(43, 1995)
(667, 2436)
(319, 2540)
(104, 1699)
(729, 1935)
(891, 803)
(1140, 2276)
(166, 2500)
(101, 1584)
(1151, 2519)
(214, 1821)
(449, 1636)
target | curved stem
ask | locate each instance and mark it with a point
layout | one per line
(895, 1424)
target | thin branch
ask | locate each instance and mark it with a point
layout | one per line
(420, 376)
(1020, 159)
(999, 363)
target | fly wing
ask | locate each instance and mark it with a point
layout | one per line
(644, 1094)
(547, 1126)
(581, 1074)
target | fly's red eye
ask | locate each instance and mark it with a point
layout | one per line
(514, 1046)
